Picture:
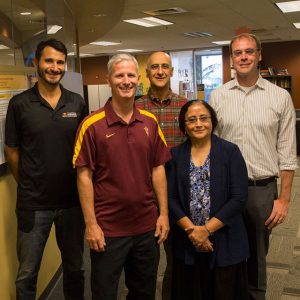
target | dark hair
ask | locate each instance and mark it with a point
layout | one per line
(246, 36)
(57, 45)
(185, 108)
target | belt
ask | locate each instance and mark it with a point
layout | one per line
(261, 182)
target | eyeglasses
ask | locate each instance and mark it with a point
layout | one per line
(155, 67)
(249, 51)
(194, 119)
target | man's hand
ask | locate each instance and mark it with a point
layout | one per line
(278, 214)
(162, 228)
(95, 237)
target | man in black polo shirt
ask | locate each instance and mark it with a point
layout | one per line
(40, 129)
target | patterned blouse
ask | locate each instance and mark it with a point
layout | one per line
(200, 192)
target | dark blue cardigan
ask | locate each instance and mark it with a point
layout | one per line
(228, 195)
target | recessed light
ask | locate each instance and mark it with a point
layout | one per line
(52, 29)
(130, 50)
(148, 22)
(289, 6)
(3, 47)
(25, 13)
(297, 25)
(221, 42)
(105, 43)
(99, 15)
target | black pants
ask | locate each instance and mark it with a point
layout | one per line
(138, 255)
(198, 282)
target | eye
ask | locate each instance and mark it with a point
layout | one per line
(191, 119)
(249, 51)
(237, 53)
(154, 67)
(204, 118)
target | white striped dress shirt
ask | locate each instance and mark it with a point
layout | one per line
(262, 122)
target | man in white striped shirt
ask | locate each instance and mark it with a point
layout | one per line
(260, 118)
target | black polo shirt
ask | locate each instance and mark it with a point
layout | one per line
(45, 139)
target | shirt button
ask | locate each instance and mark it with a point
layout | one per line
(161, 124)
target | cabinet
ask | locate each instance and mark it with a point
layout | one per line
(284, 81)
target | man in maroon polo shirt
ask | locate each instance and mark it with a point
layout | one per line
(120, 153)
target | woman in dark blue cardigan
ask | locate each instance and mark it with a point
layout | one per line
(207, 186)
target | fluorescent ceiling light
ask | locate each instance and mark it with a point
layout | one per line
(148, 22)
(104, 43)
(221, 42)
(289, 6)
(297, 25)
(25, 13)
(3, 47)
(81, 54)
(130, 50)
(52, 29)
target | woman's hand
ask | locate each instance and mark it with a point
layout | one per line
(198, 235)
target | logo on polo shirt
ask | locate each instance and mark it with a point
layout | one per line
(146, 130)
(71, 114)
(109, 135)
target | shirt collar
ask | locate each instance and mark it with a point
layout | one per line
(259, 83)
(157, 101)
(39, 98)
(113, 118)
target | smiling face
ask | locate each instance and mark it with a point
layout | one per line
(159, 70)
(123, 80)
(51, 66)
(198, 125)
(245, 57)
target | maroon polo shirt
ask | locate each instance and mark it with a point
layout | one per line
(121, 157)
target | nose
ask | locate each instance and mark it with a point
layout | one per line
(198, 122)
(54, 66)
(244, 56)
(160, 69)
(126, 80)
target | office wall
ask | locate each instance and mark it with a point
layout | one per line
(8, 258)
(284, 55)
(94, 70)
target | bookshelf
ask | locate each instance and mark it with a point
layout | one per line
(284, 81)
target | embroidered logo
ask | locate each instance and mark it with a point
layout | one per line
(69, 115)
(109, 135)
(146, 130)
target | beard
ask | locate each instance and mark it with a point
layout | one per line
(43, 75)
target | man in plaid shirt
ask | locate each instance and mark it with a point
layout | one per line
(160, 100)
(165, 105)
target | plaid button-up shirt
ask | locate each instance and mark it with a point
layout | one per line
(167, 114)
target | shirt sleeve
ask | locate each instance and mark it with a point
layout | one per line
(161, 151)
(286, 142)
(85, 149)
(12, 125)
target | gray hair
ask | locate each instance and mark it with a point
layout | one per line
(121, 57)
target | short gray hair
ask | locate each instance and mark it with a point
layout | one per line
(121, 57)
